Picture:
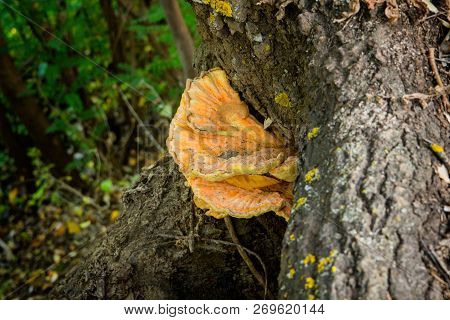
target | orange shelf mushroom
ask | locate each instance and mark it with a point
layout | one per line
(232, 164)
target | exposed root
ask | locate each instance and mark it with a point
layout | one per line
(184, 240)
(437, 76)
(262, 280)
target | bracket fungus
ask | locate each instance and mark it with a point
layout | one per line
(233, 165)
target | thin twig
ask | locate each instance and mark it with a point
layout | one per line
(66, 187)
(417, 95)
(141, 123)
(262, 280)
(437, 76)
(438, 263)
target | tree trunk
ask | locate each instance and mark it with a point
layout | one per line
(373, 215)
(163, 247)
(181, 35)
(116, 33)
(27, 109)
(15, 146)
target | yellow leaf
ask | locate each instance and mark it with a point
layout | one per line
(60, 229)
(86, 200)
(141, 101)
(283, 99)
(132, 161)
(250, 182)
(114, 215)
(12, 195)
(78, 210)
(52, 276)
(73, 227)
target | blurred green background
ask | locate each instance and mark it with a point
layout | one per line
(79, 81)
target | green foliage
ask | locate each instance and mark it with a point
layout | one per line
(69, 70)
(44, 179)
(78, 47)
(106, 186)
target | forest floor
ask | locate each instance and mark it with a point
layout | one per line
(39, 246)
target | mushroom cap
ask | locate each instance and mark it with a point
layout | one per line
(225, 153)
(225, 199)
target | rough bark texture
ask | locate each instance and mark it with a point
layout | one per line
(378, 201)
(164, 248)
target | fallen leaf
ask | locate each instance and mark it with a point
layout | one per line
(391, 11)
(354, 7)
(85, 224)
(132, 161)
(372, 3)
(443, 173)
(267, 123)
(73, 227)
(12, 195)
(60, 229)
(114, 215)
(430, 6)
(52, 276)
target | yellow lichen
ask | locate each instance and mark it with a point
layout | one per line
(312, 175)
(292, 237)
(311, 297)
(291, 273)
(301, 201)
(313, 133)
(220, 6)
(437, 148)
(309, 283)
(326, 262)
(333, 269)
(211, 18)
(283, 99)
(309, 259)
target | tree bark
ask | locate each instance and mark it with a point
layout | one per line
(376, 207)
(181, 35)
(116, 40)
(27, 109)
(163, 247)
